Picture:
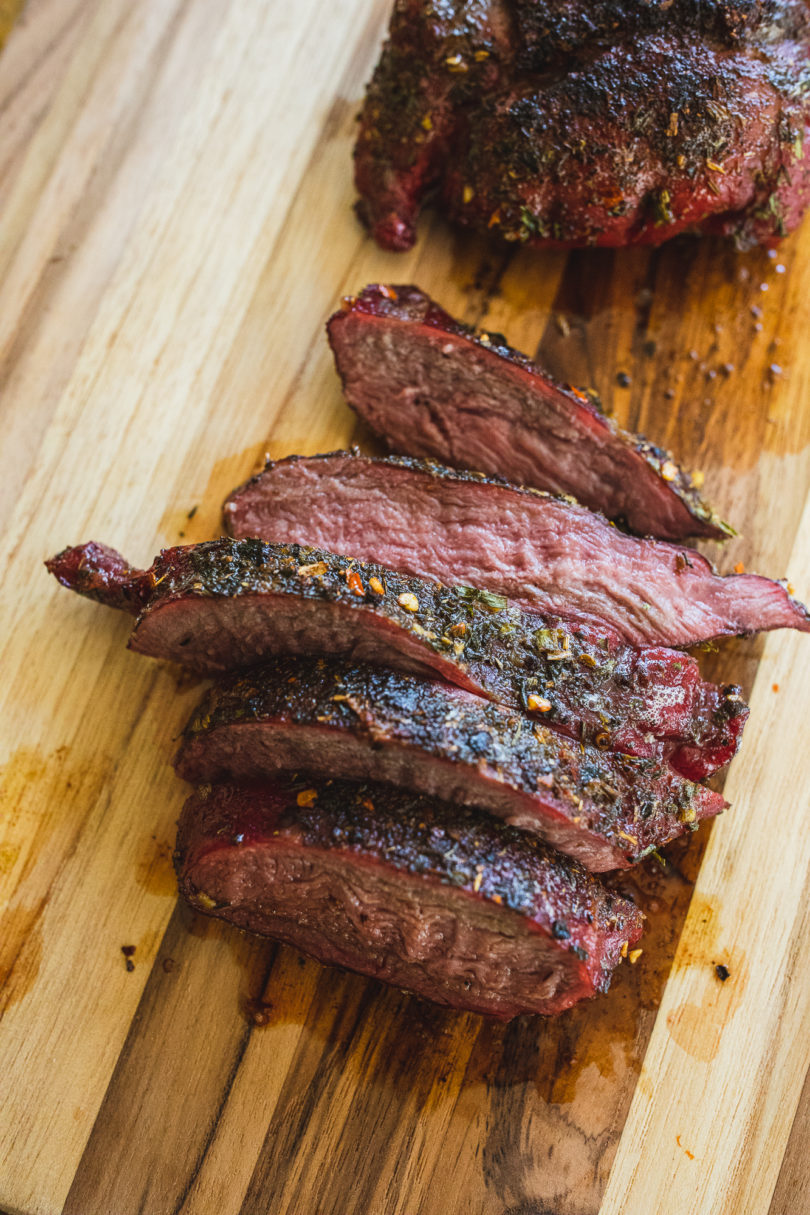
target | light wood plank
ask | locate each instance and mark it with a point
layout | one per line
(725, 1065)
(201, 236)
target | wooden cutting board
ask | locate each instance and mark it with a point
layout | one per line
(175, 226)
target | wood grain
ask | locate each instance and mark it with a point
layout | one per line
(175, 227)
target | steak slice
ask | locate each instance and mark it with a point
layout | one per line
(545, 553)
(226, 604)
(430, 386)
(361, 723)
(438, 899)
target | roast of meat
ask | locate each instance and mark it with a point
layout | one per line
(590, 123)
(436, 898)
(430, 386)
(365, 723)
(447, 696)
(544, 553)
(226, 604)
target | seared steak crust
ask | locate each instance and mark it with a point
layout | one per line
(589, 124)
(439, 899)
(430, 386)
(544, 553)
(357, 722)
(226, 604)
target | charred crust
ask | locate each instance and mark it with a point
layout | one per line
(632, 803)
(549, 667)
(409, 833)
(509, 122)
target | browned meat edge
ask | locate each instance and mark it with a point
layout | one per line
(438, 899)
(361, 723)
(544, 553)
(430, 386)
(227, 604)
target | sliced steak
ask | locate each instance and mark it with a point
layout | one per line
(227, 604)
(545, 553)
(360, 723)
(430, 386)
(438, 899)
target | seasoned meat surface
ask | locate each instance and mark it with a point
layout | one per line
(438, 899)
(362, 723)
(544, 553)
(608, 123)
(227, 604)
(430, 386)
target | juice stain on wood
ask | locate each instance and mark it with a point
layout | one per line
(698, 1028)
(43, 800)
(154, 871)
(20, 953)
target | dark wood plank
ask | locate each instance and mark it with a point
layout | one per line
(792, 1193)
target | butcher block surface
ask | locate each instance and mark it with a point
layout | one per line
(175, 227)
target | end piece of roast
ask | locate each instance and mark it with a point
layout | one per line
(226, 604)
(360, 723)
(430, 386)
(589, 122)
(544, 553)
(440, 900)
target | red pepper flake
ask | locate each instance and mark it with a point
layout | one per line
(368, 804)
(307, 796)
(775, 687)
(388, 293)
(376, 586)
(355, 582)
(537, 704)
(739, 568)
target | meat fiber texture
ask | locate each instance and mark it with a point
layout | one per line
(543, 553)
(360, 723)
(228, 604)
(579, 123)
(430, 386)
(437, 899)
